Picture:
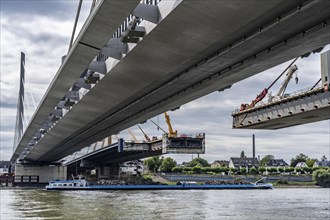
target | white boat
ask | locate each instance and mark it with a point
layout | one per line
(67, 184)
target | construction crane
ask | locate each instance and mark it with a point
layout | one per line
(171, 132)
(145, 135)
(280, 94)
(173, 144)
(158, 127)
(264, 92)
(132, 134)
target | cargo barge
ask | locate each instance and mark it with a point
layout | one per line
(84, 185)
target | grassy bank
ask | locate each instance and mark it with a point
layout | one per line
(295, 185)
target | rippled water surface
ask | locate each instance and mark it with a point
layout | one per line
(190, 204)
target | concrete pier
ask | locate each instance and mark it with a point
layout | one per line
(45, 173)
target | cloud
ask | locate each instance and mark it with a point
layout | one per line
(61, 10)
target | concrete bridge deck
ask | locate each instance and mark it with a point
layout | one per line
(196, 48)
(113, 155)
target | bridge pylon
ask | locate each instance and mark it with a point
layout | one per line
(20, 104)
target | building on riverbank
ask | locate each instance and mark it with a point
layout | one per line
(248, 162)
(132, 167)
(220, 163)
(5, 167)
(324, 162)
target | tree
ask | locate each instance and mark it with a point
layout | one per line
(288, 169)
(153, 163)
(177, 169)
(322, 177)
(233, 170)
(167, 164)
(307, 169)
(198, 160)
(281, 169)
(266, 159)
(272, 170)
(197, 169)
(242, 154)
(243, 170)
(262, 169)
(299, 158)
(253, 170)
(187, 169)
(216, 169)
(224, 169)
(298, 170)
(206, 169)
(310, 162)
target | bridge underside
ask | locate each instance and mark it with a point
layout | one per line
(125, 151)
(111, 156)
(306, 108)
(197, 47)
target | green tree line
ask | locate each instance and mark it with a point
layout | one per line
(200, 166)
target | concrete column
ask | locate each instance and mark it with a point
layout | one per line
(46, 173)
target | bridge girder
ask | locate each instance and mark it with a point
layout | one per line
(196, 48)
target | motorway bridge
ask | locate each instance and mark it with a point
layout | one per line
(133, 60)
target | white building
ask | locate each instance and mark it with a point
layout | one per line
(131, 167)
(5, 167)
(323, 163)
(301, 165)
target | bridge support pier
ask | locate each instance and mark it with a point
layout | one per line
(107, 171)
(46, 173)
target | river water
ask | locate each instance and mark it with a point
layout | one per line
(306, 203)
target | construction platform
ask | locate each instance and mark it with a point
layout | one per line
(300, 108)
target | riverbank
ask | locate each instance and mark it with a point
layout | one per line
(157, 179)
(21, 187)
(297, 185)
(288, 181)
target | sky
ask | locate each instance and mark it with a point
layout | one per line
(42, 30)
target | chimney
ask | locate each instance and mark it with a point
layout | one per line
(253, 147)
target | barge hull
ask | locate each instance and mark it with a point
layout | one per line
(166, 187)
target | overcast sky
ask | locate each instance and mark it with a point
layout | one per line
(42, 30)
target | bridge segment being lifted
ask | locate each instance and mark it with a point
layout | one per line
(303, 107)
(306, 107)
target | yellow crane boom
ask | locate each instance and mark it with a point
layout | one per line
(171, 132)
(132, 134)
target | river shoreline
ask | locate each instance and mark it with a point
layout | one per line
(297, 186)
